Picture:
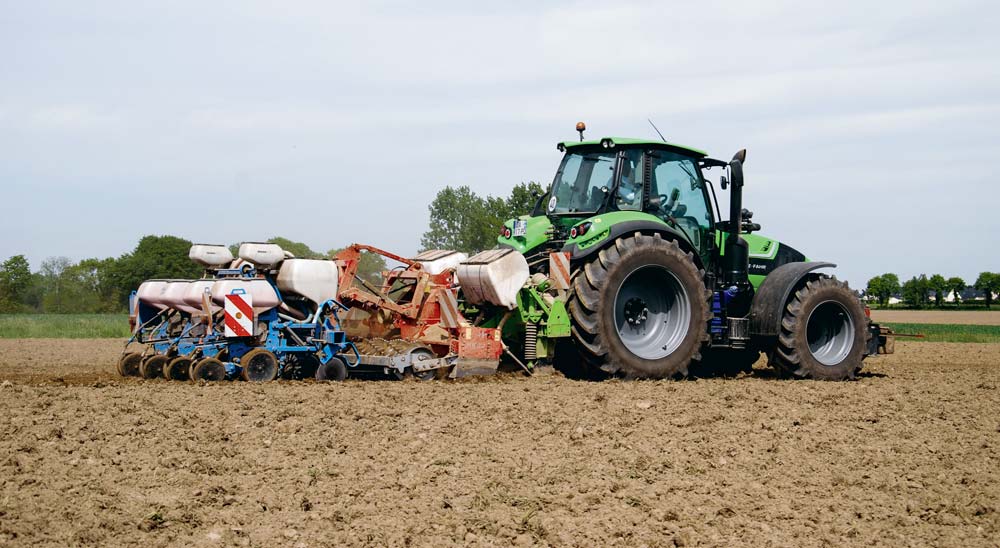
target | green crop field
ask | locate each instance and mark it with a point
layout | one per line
(63, 326)
(948, 332)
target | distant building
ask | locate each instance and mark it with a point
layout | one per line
(967, 294)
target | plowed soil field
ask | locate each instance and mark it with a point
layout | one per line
(907, 455)
(966, 317)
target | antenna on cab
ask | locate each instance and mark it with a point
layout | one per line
(664, 139)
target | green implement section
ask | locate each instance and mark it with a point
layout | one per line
(539, 316)
(551, 317)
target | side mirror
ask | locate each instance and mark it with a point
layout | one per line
(723, 182)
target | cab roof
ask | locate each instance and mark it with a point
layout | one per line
(628, 141)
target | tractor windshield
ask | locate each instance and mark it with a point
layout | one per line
(582, 182)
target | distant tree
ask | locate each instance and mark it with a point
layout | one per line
(34, 295)
(988, 283)
(939, 286)
(883, 286)
(957, 286)
(370, 267)
(463, 221)
(57, 295)
(455, 221)
(97, 276)
(15, 279)
(153, 257)
(915, 291)
(522, 199)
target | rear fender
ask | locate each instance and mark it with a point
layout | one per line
(773, 294)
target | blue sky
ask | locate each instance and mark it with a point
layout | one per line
(872, 129)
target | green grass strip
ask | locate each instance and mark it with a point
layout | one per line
(99, 326)
(63, 326)
(934, 332)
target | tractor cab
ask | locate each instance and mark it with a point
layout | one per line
(635, 176)
(607, 186)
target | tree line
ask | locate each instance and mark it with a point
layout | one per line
(917, 291)
(459, 219)
(103, 285)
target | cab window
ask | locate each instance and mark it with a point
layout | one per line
(628, 196)
(682, 195)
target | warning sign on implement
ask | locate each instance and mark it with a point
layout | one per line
(239, 315)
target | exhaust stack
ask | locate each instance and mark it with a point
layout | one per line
(736, 263)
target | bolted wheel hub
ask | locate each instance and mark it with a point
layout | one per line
(636, 312)
(652, 312)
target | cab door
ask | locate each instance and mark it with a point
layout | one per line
(682, 201)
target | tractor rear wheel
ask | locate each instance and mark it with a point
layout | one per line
(259, 365)
(824, 332)
(208, 369)
(640, 308)
(152, 367)
(333, 370)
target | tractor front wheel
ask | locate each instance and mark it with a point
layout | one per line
(824, 332)
(640, 308)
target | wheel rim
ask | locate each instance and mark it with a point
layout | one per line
(420, 354)
(129, 365)
(153, 367)
(209, 369)
(178, 369)
(331, 370)
(261, 367)
(830, 333)
(652, 312)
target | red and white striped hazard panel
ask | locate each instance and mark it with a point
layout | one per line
(450, 315)
(559, 269)
(239, 315)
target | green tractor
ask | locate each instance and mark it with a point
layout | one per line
(658, 283)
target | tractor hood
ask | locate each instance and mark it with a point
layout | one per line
(766, 254)
(592, 233)
(537, 231)
(576, 234)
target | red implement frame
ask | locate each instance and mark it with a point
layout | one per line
(421, 306)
